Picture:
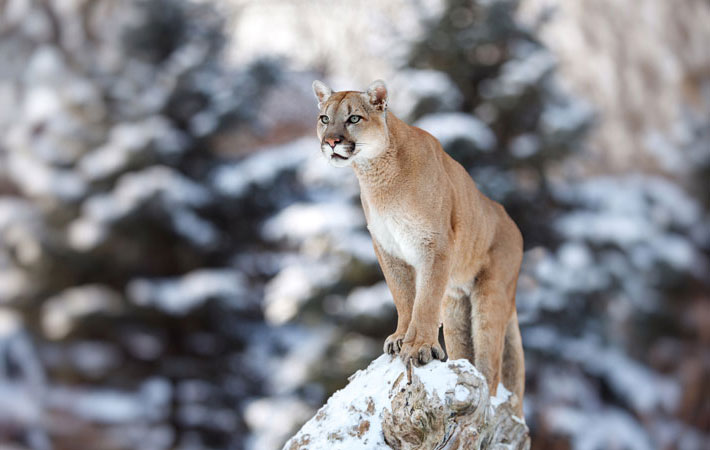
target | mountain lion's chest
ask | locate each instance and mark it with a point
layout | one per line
(397, 234)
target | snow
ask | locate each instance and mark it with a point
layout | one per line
(273, 419)
(525, 70)
(525, 145)
(39, 180)
(331, 219)
(135, 188)
(367, 396)
(85, 234)
(60, 313)
(41, 103)
(262, 168)
(285, 354)
(150, 402)
(624, 234)
(305, 349)
(347, 407)
(193, 228)
(449, 127)
(502, 395)
(606, 428)
(410, 87)
(373, 301)
(181, 295)
(325, 182)
(176, 194)
(72, 130)
(23, 236)
(565, 117)
(94, 358)
(22, 379)
(461, 393)
(636, 385)
(295, 284)
(640, 214)
(359, 245)
(300, 221)
(129, 141)
(13, 284)
(10, 323)
(17, 407)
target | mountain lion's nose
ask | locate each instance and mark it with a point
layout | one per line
(333, 141)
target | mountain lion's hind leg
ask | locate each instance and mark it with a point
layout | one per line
(492, 304)
(514, 363)
(457, 327)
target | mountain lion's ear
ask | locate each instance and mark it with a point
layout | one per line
(377, 93)
(322, 92)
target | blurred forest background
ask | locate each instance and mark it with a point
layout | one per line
(180, 268)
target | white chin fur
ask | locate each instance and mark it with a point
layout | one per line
(334, 161)
(339, 162)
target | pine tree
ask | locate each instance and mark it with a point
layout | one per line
(115, 246)
(506, 80)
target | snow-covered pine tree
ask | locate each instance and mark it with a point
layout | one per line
(515, 122)
(115, 247)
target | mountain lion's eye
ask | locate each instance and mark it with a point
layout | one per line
(354, 119)
(324, 119)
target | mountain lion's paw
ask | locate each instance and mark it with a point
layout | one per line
(393, 344)
(421, 352)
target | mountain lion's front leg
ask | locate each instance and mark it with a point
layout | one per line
(400, 280)
(421, 343)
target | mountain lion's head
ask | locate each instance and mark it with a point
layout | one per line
(351, 125)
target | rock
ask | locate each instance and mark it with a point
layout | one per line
(438, 406)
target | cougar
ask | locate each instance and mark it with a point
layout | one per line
(448, 253)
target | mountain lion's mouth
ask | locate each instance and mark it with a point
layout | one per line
(343, 158)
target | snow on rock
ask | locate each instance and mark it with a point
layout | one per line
(446, 405)
(449, 127)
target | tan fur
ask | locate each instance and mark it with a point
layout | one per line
(449, 254)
